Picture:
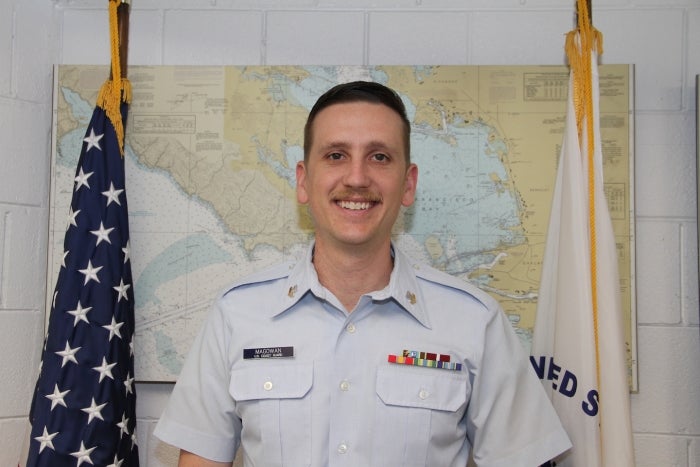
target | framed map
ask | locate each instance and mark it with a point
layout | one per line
(210, 158)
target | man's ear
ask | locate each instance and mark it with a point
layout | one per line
(302, 195)
(409, 194)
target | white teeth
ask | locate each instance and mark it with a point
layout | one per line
(356, 206)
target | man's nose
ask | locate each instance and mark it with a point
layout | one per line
(358, 173)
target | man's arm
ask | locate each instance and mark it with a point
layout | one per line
(187, 459)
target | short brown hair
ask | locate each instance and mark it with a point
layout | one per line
(359, 91)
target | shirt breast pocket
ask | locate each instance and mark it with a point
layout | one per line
(274, 404)
(418, 408)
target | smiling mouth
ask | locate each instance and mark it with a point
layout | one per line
(355, 205)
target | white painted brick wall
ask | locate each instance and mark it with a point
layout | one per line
(212, 37)
(315, 37)
(28, 32)
(661, 37)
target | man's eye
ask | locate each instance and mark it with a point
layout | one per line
(335, 156)
(380, 157)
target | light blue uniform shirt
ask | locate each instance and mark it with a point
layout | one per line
(338, 401)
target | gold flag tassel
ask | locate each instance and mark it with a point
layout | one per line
(117, 89)
(580, 44)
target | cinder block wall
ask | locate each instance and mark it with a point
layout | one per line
(661, 37)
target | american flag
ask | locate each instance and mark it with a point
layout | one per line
(84, 405)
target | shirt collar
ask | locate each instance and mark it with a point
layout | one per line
(402, 288)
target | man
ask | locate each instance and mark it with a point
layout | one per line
(356, 355)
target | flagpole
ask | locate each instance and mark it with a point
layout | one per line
(123, 21)
(117, 89)
(590, 10)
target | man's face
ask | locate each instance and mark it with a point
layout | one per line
(356, 177)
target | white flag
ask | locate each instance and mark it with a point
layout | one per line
(588, 388)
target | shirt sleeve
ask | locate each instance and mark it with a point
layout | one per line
(200, 414)
(510, 420)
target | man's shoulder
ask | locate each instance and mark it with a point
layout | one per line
(261, 278)
(448, 283)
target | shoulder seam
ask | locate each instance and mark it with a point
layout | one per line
(430, 274)
(275, 272)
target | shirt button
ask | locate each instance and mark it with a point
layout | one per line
(342, 448)
(423, 394)
(344, 385)
(350, 328)
(267, 386)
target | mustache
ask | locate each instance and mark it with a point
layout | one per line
(356, 195)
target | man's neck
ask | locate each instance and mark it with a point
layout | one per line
(351, 273)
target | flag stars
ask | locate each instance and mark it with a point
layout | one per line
(113, 328)
(128, 384)
(83, 455)
(46, 440)
(102, 234)
(105, 369)
(127, 251)
(94, 411)
(63, 260)
(123, 426)
(90, 273)
(112, 194)
(82, 179)
(121, 289)
(71, 218)
(117, 462)
(57, 397)
(80, 314)
(68, 354)
(93, 140)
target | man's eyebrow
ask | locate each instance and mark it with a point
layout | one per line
(378, 145)
(335, 145)
(372, 145)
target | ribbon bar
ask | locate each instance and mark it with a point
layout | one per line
(408, 359)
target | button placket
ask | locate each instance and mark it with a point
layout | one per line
(344, 398)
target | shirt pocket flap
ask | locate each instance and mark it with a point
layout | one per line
(271, 382)
(422, 387)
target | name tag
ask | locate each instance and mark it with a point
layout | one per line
(268, 352)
